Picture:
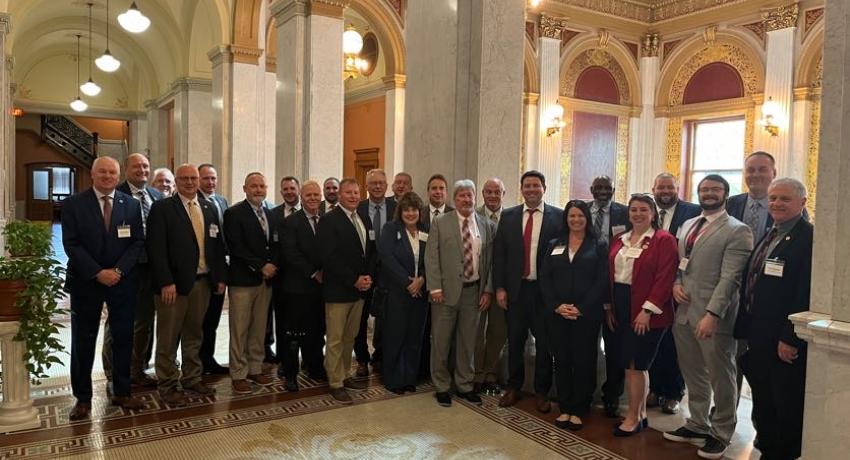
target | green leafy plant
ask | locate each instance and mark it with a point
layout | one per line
(32, 262)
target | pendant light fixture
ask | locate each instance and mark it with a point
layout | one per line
(78, 104)
(107, 62)
(90, 88)
(133, 20)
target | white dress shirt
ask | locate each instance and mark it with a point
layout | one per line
(476, 242)
(624, 266)
(100, 196)
(431, 210)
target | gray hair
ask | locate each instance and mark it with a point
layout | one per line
(159, 171)
(795, 184)
(463, 184)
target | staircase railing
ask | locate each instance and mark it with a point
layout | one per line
(66, 136)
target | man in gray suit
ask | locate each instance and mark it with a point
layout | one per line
(457, 266)
(713, 248)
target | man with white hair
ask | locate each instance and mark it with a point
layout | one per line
(163, 180)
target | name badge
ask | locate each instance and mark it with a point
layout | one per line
(371, 235)
(558, 250)
(275, 237)
(683, 264)
(617, 229)
(213, 231)
(633, 253)
(123, 231)
(774, 267)
(423, 237)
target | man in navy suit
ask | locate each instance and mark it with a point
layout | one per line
(666, 384)
(103, 237)
(378, 209)
(519, 248)
(751, 207)
(137, 169)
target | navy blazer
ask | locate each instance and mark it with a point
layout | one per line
(684, 211)
(155, 194)
(582, 282)
(299, 247)
(343, 258)
(619, 216)
(396, 256)
(363, 209)
(249, 248)
(508, 249)
(90, 247)
(737, 204)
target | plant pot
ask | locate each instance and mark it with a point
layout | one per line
(9, 290)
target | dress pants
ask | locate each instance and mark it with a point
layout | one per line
(490, 340)
(181, 322)
(778, 396)
(342, 321)
(524, 314)
(211, 321)
(404, 320)
(248, 314)
(361, 347)
(454, 325)
(143, 329)
(271, 321)
(87, 300)
(302, 329)
(574, 344)
(665, 378)
(708, 367)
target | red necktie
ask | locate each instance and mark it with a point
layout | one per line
(107, 211)
(526, 243)
(692, 237)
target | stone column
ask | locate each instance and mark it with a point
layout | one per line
(7, 172)
(139, 135)
(797, 165)
(157, 138)
(548, 156)
(310, 93)
(531, 134)
(394, 125)
(16, 409)
(192, 121)
(645, 161)
(464, 89)
(781, 26)
(826, 327)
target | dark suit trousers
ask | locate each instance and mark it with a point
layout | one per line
(143, 329)
(86, 304)
(361, 348)
(575, 349)
(778, 396)
(524, 314)
(404, 320)
(665, 378)
(615, 373)
(271, 324)
(302, 329)
(212, 319)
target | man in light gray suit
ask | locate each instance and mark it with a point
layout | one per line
(713, 248)
(457, 265)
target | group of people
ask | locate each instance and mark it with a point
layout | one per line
(684, 295)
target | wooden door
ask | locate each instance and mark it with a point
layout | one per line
(365, 160)
(39, 193)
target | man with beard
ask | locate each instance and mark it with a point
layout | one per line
(666, 385)
(402, 183)
(331, 192)
(713, 251)
(163, 180)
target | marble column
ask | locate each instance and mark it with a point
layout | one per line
(780, 24)
(797, 165)
(530, 134)
(310, 94)
(7, 173)
(394, 125)
(464, 89)
(646, 162)
(192, 121)
(826, 327)
(547, 159)
(16, 409)
(139, 135)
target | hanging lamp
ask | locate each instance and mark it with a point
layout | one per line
(90, 88)
(133, 20)
(107, 62)
(78, 105)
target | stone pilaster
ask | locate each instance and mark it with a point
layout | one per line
(547, 159)
(192, 120)
(646, 160)
(7, 128)
(531, 134)
(394, 124)
(16, 409)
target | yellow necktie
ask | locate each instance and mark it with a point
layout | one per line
(197, 218)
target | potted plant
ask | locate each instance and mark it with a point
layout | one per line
(30, 289)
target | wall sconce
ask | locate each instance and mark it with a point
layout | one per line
(554, 119)
(17, 112)
(770, 117)
(534, 3)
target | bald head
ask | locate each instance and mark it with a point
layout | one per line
(137, 168)
(104, 174)
(187, 181)
(493, 192)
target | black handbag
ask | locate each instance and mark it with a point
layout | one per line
(380, 296)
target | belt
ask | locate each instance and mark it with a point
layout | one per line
(467, 284)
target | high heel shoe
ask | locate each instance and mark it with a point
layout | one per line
(645, 422)
(620, 433)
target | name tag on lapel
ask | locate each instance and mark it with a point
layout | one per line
(683, 264)
(423, 237)
(558, 250)
(124, 231)
(774, 267)
(213, 231)
(275, 237)
(371, 235)
(634, 253)
(617, 229)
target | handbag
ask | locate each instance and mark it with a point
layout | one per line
(380, 296)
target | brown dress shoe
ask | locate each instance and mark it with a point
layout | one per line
(362, 370)
(80, 411)
(543, 404)
(341, 395)
(352, 384)
(144, 381)
(173, 397)
(200, 388)
(127, 402)
(242, 387)
(260, 379)
(510, 398)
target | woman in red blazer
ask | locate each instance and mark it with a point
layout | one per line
(643, 263)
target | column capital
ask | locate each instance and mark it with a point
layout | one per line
(530, 98)
(246, 54)
(284, 10)
(271, 64)
(5, 23)
(394, 81)
(191, 84)
(649, 44)
(552, 27)
(781, 17)
(220, 55)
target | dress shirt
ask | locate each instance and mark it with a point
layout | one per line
(668, 216)
(310, 220)
(708, 221)
(289, 210)
(782, 230)
(535, 237)
(218, 210)
(372, 209)
(135, 192)
(431, 210)
(100, 196)
(624, 266)
(492, 215)
(758, 221)
(413, 239)
(358, 225)
(476, 242)
(606, 219)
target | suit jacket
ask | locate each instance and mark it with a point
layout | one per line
(343, 257)
(712, 279)
(618, 216)
(764, 322)
(155, 195)
(425, 215)
(90, 247)
(299, 247)
(737, 204)
(363, 209)
(249, 247)
(684, 211)
(222, 203)
(444, 256)
(509, 250)
(582, 282)
(653, 275)
(323, 207)
(173, 249)
(396, 257)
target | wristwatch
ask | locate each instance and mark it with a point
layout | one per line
(118, 270)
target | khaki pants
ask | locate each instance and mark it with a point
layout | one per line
(490, 340)
(183, 320)
(342, 324)
(248, 313)
(454, 325)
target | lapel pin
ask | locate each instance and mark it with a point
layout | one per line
(787, 238)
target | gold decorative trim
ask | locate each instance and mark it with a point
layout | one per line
(649, 44)
(812, 159)
(781, 17)
(673, 157)
(624, 9)
(530, 98)
(817, 80)
(757, 28)
(329, 8)
(709, 35)
(271, 64)
(749, 131)
(246, 54)
(220, 55)
(722, 52)
(394, 81)
(552, 27)
(669, 9)
(566, 154)
(595, 58)
(738, 105)
(622, 165)
(604, 39)
(811, 16)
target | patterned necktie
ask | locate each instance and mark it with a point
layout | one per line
(661, 215)
(377, 222)
(146, 209)
(107, 212)
(526, 243)
(197, 218)
(692, 236)
(753, 219)
(494, 217)
(315, 220)
(597, 225)
(757, 262)
(468, 269)
(263, 223)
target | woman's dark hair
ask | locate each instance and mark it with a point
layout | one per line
(589, 232)
(407, 201)
(649, 201)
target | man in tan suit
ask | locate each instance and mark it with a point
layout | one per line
(457, 263)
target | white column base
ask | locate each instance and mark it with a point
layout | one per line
(16, 410)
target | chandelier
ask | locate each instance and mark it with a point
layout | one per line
(352, 44)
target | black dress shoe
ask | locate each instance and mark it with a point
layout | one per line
(80, 411)
(645, 422)
(563, 424)
(620, 433)
(216, 369)
(472, 397)
(443, 399)
(410, 388)
(612, 410)
(291, 384)
(398, 391)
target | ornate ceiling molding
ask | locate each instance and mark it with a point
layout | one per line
(596, 58)
(648, 11)
(781, 17)
(552, 27)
